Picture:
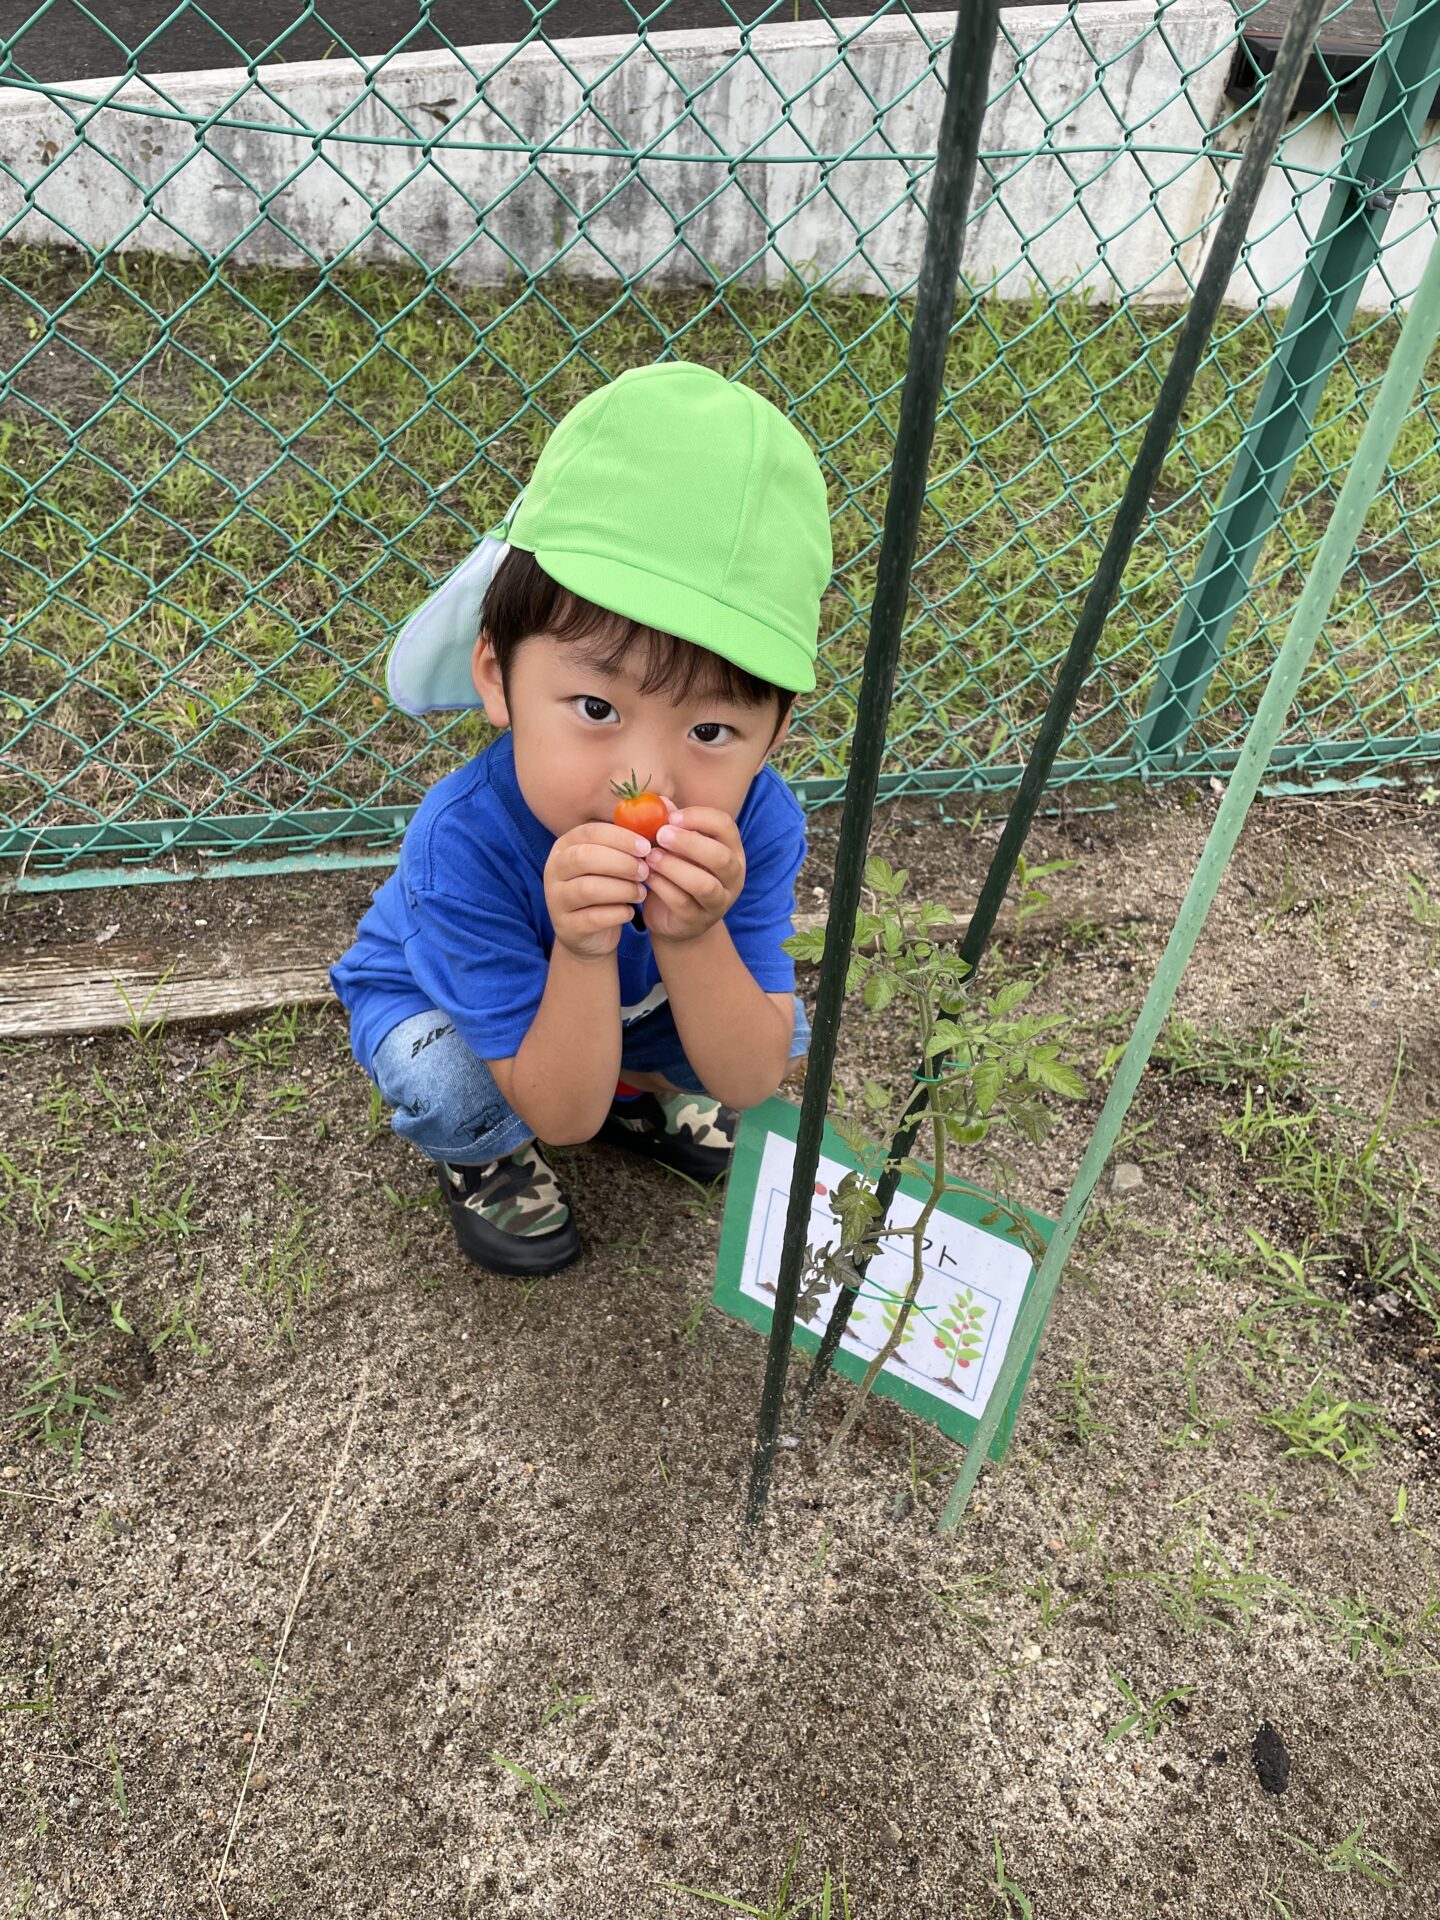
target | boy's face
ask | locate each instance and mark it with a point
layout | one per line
(577, 728)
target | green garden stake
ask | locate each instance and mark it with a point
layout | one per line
(1367, 470)
(956, 149)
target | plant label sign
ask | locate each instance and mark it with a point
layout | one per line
(957, 1332)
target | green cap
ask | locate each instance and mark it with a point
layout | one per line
(674, 497)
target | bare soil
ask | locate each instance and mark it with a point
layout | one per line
(531, 1552)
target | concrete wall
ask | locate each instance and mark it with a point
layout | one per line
(434, 163)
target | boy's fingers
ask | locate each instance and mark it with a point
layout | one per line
(594, 858)
(716, 876)
(703, 887)
(715, 853)
(602, 889)
(699, 890)
(593, 919)
(709, 821)
(604, 833)
(673, 897)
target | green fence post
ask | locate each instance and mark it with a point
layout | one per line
(1381, 147)
(1357, 495)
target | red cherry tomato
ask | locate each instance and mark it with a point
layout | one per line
(638, 810)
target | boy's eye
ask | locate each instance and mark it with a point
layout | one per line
(594, 708)
(710, 732)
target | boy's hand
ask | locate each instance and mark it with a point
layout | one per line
(592, 886)
(696, 872)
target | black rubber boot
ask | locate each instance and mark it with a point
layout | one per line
(510, 1216)
(687, 1131)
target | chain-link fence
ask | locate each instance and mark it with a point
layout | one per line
(283, 337)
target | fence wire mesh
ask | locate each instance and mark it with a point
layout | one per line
(282, 338)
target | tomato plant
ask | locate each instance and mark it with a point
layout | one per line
(989, 1065)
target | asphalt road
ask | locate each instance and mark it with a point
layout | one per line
(64, 45)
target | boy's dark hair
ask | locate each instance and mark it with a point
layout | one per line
(522, 599)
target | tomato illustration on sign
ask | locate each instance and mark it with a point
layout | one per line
(959, 1335)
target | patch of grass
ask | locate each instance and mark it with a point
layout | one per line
(964, 1604)
(1148, 1718)
(1009, 1896)
(39, 1826)
(144, 1028)
(1374, 1211)
(1268, 1505)
(1271, 1058)
(1081, 1418)
(545, 1799)
(829, 1901)
(127, 1110)
(1425, 912)
(564, 1706)
(1209, 1589)
(399, 1236)
(1272, 1894)
(180, 1323)
(148, 1221)
(117, 1786)
(285, 1277)
(1051, 1611)
(1350, 1855)
(272, 1041)
(635, 1267)
(1198, 1429)
(1399, 1519)
(1321, 1426)
(65, 1110)
(1394, 1649)
(689, 1328)
(221, 1092)
(919, 1475)
(1366, 1217)
(241, 528)
(36, 1689)
(1288, 1308)
(26, 1194)
(58, 1404)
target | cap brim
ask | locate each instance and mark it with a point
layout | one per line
(671, 607)
(429, 666)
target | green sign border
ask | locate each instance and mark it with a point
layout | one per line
(781, 1117)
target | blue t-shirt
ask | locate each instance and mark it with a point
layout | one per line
(461, 925)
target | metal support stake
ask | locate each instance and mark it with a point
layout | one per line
(1290, 62)
(1382, 145)
(966, 88)
(1367, 470)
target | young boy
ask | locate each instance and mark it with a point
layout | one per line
(531, 970)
